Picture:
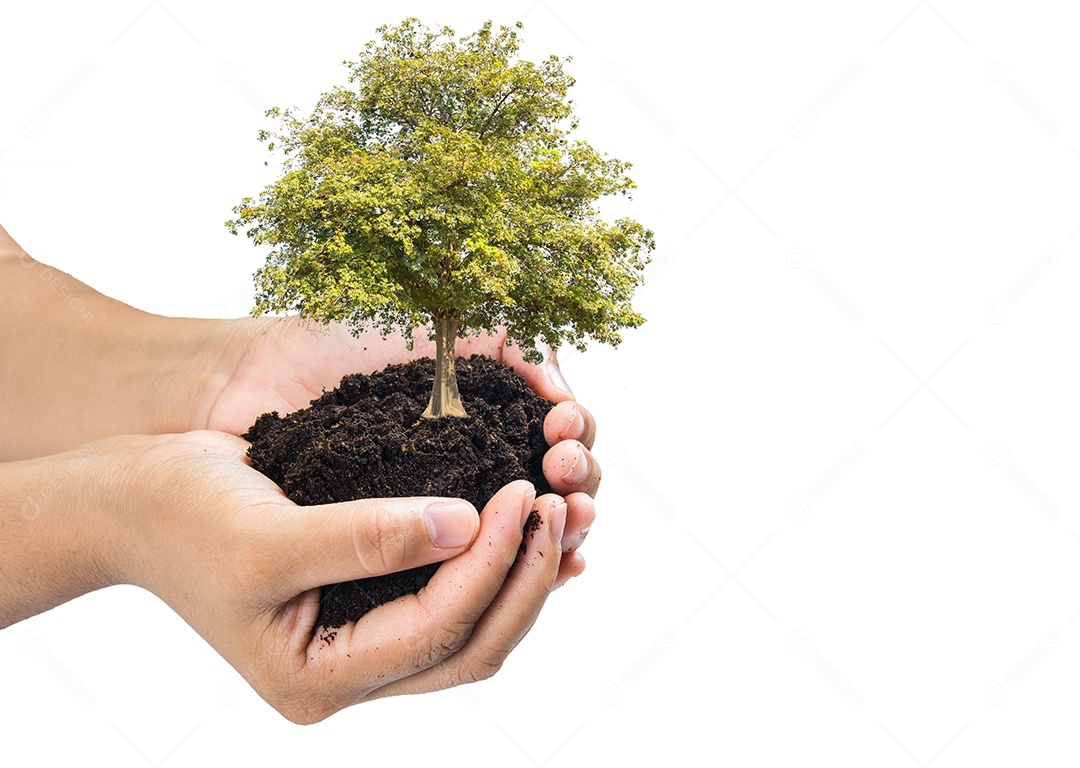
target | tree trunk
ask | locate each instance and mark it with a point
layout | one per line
(445, 400)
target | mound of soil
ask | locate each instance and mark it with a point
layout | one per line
(366, 439)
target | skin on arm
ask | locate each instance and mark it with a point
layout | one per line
(56, 545)
(76, 365)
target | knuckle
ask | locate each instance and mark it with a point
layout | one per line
(296, 694)
(480, 667)
(245, 559)
(381, 545)
(305, 711)
(439, 645)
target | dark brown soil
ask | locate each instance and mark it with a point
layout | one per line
(366, 439)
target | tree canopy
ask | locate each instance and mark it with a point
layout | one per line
(443, 187)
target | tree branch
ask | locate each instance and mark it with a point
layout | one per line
(495, 111)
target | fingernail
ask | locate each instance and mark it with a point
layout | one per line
(575, 427)
(451, 524)
(579, 468)
(577, 540)
(555, 378)
(526, 507)
(558, 524)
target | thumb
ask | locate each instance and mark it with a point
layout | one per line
(545, 379)
(331, 543)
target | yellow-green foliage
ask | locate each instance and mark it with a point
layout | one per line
(444, 180)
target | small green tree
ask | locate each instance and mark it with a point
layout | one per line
(443, 187)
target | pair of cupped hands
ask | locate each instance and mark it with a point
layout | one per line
(224, 548)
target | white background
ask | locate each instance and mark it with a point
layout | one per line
(840, 516)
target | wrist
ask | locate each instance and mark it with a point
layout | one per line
(59, 539)
(85, 366)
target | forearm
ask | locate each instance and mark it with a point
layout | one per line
(76, 365)
(56, 539)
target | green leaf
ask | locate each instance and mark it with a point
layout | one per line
(444, 179)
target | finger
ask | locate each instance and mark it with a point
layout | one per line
(416, 632)
(511, 615)
(572, 565)
(570, 468)
(569, 420)
(544, 378)
(331, 543)
(580, 516)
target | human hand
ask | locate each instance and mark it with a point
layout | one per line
(222, 546)
(267, 364)
(259, 364)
